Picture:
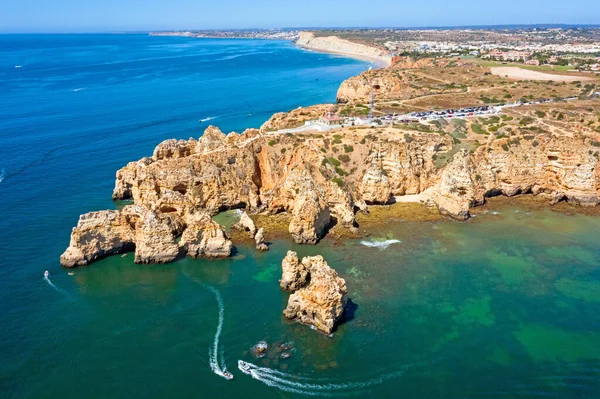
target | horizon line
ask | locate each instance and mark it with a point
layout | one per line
(306, 28)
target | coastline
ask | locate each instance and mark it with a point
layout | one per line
(379, 62)
(307, 41)
(335, 45)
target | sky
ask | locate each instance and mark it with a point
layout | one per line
(142, 15)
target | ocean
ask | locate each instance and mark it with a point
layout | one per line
(502, 306)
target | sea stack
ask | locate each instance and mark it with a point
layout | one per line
(320, 294)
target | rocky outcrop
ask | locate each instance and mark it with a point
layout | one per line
(98, 234)
(321, 180)
(310, 211)
(205, 238)
(296, 117)
(259, 239)
(152, 235)
(383, 83)
(375, 185)
(245, 224)
(295, 273)
(320, 294)
(333, 44)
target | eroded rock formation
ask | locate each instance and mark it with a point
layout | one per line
(320, 294)
(319, 180)
(153, 236)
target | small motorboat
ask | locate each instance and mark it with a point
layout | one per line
(46, 274)
(245, 367)
(228, 375)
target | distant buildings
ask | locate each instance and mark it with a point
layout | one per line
(512, 55)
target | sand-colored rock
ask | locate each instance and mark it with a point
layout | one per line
(375, 185)
(259, 239)
(383, 83)
(97, 234)
(245, 224)
(205, 238)
(310, 212)
(320, 295)
(152, 235)
(295, 273)
(315, 190)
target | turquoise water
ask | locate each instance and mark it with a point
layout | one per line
(503, 306)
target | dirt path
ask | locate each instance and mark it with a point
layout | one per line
(526, 74)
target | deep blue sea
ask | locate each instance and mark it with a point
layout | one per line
(75, 108)
(503, 306)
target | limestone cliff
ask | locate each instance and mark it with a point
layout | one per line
(320, 179)
(153, 236)
(301, 176)
(320, 294)
(383, 83)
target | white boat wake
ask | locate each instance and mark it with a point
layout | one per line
(291, 383)
(51, 284)
(2, 175)
(18, 66)
(218, 366)
(379, 244)
(78, 89)
(210, 118)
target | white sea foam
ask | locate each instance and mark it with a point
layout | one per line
(51, 284)
(216, 365)
(18, 66)
(209, 118)
(2, 175)
(290, 383)
(78, 89)
(379, 244)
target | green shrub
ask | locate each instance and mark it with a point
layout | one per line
(344, 158)
(273, 142)
(341, 171)
(333, 161)
(505, 147)
(283, 150)
(526, 121)
(540, 114)
(348, 148)
(478, 129)
(535, 143)
(339, 181)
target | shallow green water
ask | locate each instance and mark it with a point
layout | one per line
(502, 306)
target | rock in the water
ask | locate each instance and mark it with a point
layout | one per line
(96, 235)
(205, 238)
(259, 238)
(153, 236)
(294, 274)
(321, 301)
(245, 224)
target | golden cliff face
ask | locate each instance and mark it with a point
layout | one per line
(318, 178)
(322, 179)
